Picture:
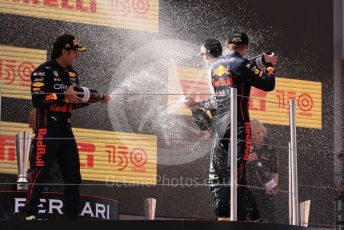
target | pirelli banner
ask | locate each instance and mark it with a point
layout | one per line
(16, 66)
(269, 107)
(127, 14)
(105, 156)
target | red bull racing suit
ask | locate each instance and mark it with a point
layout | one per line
(233, 70)
(54, 137)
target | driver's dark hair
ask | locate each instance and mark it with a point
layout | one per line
(238, 46)
(55, 54)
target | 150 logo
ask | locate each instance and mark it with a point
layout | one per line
(16, 67)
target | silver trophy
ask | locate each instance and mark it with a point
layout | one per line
(23, 144)
(149, 208)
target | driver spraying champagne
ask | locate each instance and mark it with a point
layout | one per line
(233, 70)
(55, 94)
(227, 71)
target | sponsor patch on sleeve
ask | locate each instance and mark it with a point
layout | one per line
(38, 84)
(72, 74)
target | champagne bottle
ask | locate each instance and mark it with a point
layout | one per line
(202, 119)
(260, 62)
(88, 95)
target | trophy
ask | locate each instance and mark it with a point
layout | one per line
(149, 208)
(23, 143)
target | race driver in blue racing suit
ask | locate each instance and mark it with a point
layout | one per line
(234, 70)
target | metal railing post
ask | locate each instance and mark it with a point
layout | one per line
(293, 160)
(233, 155)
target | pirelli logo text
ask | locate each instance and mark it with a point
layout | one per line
(127, 14)
(185, 80)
